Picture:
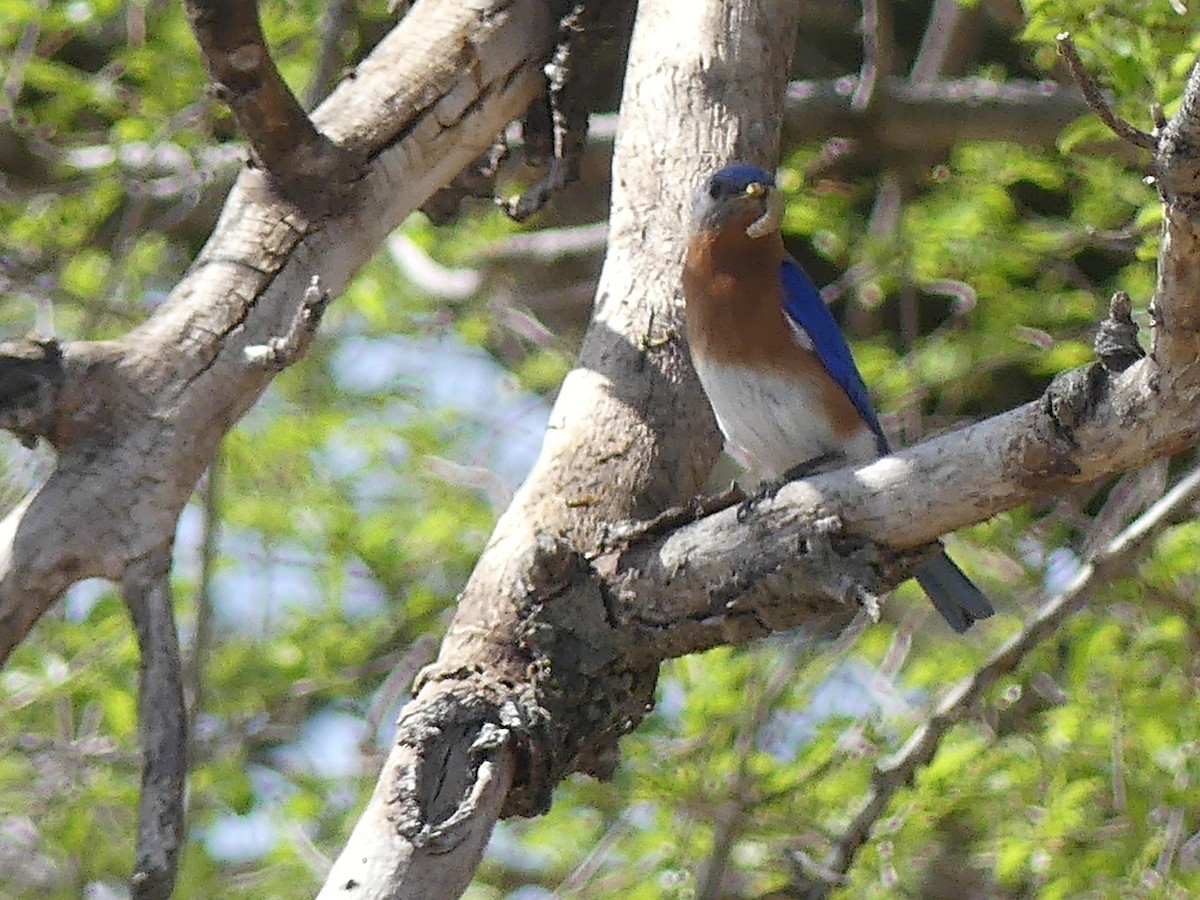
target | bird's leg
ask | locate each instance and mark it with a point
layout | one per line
(826, 462)
(626, 534)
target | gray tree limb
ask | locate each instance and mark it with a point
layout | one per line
(135, 421)
(526, 657)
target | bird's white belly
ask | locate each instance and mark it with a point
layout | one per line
(778, 421)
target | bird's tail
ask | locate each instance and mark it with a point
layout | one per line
(954, 595)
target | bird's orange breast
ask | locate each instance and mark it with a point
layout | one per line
(734, 310)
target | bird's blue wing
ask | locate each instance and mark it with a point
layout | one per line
(802, 303)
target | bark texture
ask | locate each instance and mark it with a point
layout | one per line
(554, 648)
(532, 671)
(136, 421)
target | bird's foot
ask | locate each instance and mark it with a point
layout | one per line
(769, 488)
(626, 534)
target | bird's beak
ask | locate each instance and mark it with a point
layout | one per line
(772, 217)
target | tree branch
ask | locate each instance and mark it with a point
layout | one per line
(878, 52)
(336, 21)
(904, 123)
(731, 811)
(556, 640)
(302, 162)
(897, 771)
(929, 117)
(202, 634)
(553, 651)
(1091, 93)
(631, 415)
(137, 420)
(162, 720)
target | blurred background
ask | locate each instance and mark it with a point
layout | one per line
(968, 221)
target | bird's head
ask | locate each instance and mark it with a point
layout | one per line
(738, 195)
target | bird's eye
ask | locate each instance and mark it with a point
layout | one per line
(714, 190)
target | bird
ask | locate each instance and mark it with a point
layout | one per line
(775, 366)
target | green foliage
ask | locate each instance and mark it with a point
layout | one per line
(341, 547)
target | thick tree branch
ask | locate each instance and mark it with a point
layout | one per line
(630, 434)
(557, 639)
(136, 421)
(1177, 173)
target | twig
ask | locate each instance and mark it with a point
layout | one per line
(877, 52)
(940, 41)
(732, 812)
(280, 352)
(595, 858)
(562, 119)
(1095, 99)
(397, 683)
(1173, 838)
(548, 245)
(202, 639)
(892, 774)
(162, 721)
(1119, 793)
(430, 276)
(945, 24)
(18, 60)
(334, 23)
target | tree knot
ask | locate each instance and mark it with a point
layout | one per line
(1116, 342)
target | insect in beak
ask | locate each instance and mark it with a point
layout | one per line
(772, 218)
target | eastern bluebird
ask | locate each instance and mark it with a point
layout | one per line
(773, 362)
